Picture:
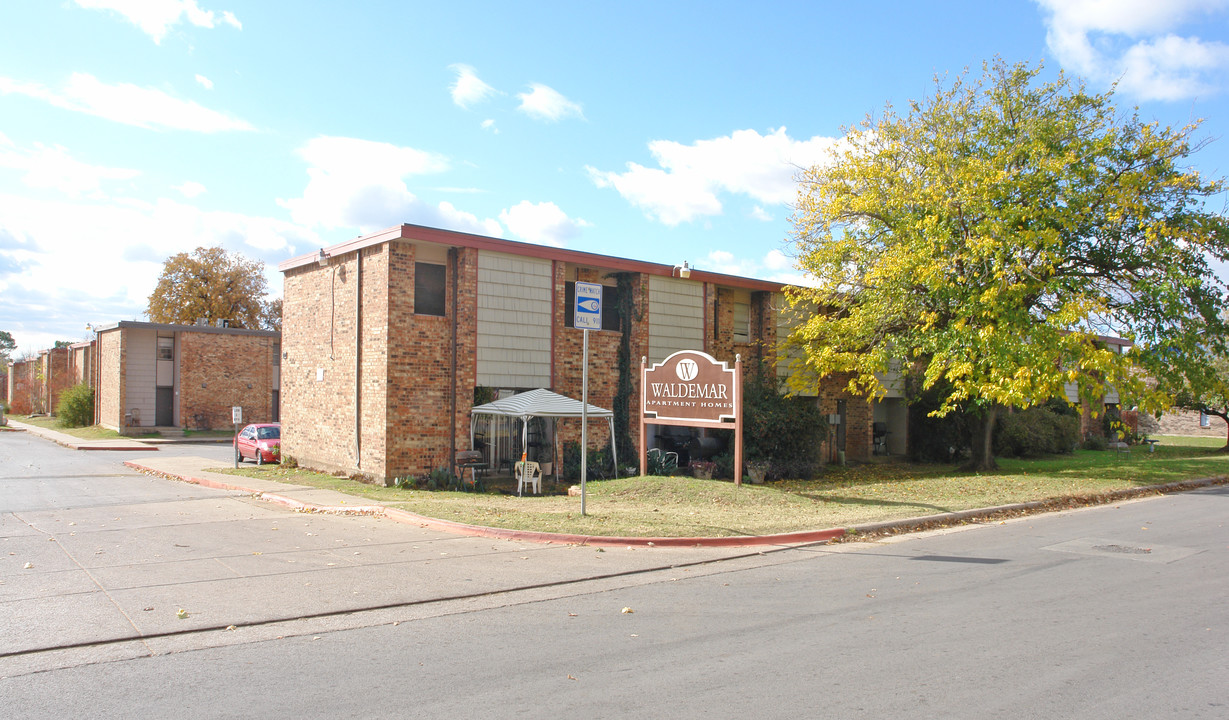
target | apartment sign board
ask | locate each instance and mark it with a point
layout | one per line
(689, 386)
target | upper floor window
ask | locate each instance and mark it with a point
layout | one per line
(166, 348)
(430, 288)
(610, 306)
(742, 322)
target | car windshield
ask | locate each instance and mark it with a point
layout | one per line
(268, 433)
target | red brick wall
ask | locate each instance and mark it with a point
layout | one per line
(406, 366)
(109, 395)
(56, 377)
(24, 387)
(219, 371)
(318, 333)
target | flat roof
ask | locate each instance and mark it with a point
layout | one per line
(137, 325)
(451, 238)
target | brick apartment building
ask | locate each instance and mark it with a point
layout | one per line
(388, 336)
(35, 384)
(149, 375)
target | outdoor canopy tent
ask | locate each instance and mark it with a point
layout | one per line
(539, 403)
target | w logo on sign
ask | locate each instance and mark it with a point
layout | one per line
(687, 370)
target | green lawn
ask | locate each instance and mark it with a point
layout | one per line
(685, 506)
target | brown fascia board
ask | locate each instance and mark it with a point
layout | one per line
(465, 240)
(138, 325)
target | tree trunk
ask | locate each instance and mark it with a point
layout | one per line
(983, 441)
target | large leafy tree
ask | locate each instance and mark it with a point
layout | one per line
(213, 284)
(7, 346)
(988, 237)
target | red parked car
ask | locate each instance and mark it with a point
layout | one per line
(260, 441)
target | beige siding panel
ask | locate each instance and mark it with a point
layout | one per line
(140, 358)
(514, 321)
(787, 319)
(676, 317)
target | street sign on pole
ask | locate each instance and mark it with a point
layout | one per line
(588, 306)
(588, 317)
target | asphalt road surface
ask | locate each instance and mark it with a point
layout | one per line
(1117, 611)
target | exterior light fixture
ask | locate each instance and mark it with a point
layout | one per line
(322, 259)
(683, 270)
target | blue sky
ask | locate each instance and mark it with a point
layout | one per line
(131, 130)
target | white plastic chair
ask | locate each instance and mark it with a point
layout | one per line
(528, 473)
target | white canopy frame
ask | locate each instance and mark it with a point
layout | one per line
(546, 404)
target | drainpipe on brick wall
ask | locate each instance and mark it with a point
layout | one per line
(452, 396)
(358, 360)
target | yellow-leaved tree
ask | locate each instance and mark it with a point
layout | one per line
(212, 284)
(989, 236)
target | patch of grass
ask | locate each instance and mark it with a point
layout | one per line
(840, 497)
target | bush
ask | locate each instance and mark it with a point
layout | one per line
(1036, 431)
(76, 408)
(786, 432)
(600, 464)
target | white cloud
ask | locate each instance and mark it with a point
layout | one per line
(66, 263)
(190, 189)
(544, 103)
(774, 265)
(128, 104)
(543, 223)
(51, 167)
(156, 17)
(761, 214)
(489, 125)
(687, 184)
(468, 89)
(1133, 42)
(205, 82)
(361, 184)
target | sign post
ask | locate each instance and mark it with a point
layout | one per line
(236, 417)
(588, 317)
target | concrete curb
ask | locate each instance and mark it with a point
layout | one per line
(806, 537)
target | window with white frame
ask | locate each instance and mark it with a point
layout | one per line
(742, 322)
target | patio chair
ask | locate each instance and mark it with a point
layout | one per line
(528, 473)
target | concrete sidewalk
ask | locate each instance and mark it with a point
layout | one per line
(75, 443)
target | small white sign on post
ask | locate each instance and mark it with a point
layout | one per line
(236, 417)
(588, 317)
(588, 306)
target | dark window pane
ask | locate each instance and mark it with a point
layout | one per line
(430, 282)
(610, 306)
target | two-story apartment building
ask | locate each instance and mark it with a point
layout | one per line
(154, 375)
(390, 337)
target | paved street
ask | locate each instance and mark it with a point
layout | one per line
(1116, 611)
